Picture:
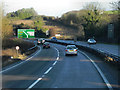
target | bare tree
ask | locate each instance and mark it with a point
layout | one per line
(115, 5)
(93, 6)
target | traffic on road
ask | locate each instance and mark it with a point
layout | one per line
(112, 49)
(49, 68)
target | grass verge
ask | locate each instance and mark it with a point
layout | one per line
(9, 53)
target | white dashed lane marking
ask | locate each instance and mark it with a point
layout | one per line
(50, 68)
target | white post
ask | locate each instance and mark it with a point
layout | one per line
(17, 48)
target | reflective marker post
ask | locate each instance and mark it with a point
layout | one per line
(17, 48)
(75, 39)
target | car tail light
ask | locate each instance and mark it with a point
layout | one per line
(66, 50)
(75, 49)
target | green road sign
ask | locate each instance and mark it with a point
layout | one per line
(26, 33)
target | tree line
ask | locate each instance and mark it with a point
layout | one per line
(23, 13)
(94, 20)
(91, 21)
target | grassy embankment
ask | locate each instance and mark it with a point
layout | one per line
(9, 50)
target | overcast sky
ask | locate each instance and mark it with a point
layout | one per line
(51, 7)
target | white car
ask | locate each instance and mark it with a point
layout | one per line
(91, 41)
(71, 50)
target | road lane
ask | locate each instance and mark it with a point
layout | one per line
(24, 75)
(72, 72)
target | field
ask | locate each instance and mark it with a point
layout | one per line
(111, 12)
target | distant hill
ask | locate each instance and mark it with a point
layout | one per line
(22, 13)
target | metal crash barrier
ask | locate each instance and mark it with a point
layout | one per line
(106, 56)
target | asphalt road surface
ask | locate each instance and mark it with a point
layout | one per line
(50, 68)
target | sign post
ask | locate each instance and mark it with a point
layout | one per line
(47, 33)
(75, 39)
(110, 31)
(26, 33)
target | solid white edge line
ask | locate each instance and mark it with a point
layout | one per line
(57, 51)
(20, 62)
(100, 72)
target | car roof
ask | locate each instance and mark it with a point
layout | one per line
(91, 39)
(54, 38)
(40, 38)
(46, 43)
(71, 46)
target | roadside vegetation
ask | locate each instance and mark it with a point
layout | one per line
(26, 19)
(93, 21)
(9, 43)
(90, 22)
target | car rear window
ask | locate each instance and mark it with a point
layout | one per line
(46, 43)
(92, 40)
(71, 47)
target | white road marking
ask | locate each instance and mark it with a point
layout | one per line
(54, 63)
(48, 70)
(39, 79)
(20, 63)
(57, 58)
(57, 51)
(99, 70)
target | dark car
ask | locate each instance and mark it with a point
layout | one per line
(46, 45)
(40, 41)
(53, 39)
